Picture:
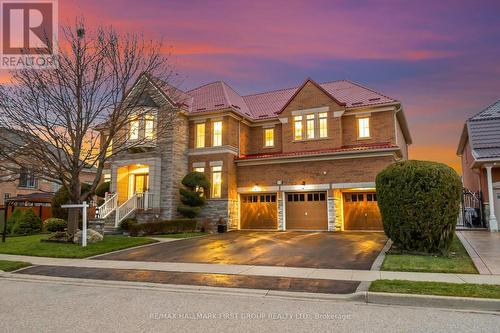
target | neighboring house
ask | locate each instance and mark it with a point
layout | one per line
(302, 158)
(479, 148)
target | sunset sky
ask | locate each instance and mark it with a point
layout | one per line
(441, 59)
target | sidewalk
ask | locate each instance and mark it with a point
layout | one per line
(483, 248)
(272, 271)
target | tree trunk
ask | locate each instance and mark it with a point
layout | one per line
(74, 213)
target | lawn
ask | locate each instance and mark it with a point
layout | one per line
(31, 246)
(7, 266)
(436, 288)
(458, 261)
(183, 235)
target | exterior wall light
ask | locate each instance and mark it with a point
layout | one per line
(256, 188)
(303, 185)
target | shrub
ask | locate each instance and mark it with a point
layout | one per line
(28, 224)
(101, 189)
(61, 197)
(192, 198)
(13, 219)
(127, 223)
(54, 224)
(163, 227)
(419, 202)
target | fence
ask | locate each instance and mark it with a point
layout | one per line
(471, 214)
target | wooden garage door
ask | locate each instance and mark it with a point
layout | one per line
(306, 211)
(259, 211)
(361, 212)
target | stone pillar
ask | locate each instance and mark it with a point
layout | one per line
(493, 224)
(281, 210)
(331, 211)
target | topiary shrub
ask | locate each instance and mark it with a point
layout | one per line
(54, 224)
(102, 188)
(192, 196)
(419, 202)
(14, 218)
(162, 227)
(61, 197)
(28, 224)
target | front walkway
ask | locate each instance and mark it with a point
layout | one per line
(483, 248)
(251, 270)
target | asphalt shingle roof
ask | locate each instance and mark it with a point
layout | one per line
(484, 132)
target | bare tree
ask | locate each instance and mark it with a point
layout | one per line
(59, 115)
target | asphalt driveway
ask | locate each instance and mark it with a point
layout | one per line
(345, 250)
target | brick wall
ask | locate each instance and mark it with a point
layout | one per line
(382, 129)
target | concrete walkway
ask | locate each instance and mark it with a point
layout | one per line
(483, 248)
(274, 271)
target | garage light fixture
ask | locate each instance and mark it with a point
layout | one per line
(256, 188)
(303, 185)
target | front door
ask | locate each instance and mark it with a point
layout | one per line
(140, 183)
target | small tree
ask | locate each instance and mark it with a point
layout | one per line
(419, 202)
(192, 196)
(62, 197)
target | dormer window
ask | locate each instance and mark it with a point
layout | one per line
(364, 128)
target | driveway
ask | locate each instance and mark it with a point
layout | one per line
(345, 250)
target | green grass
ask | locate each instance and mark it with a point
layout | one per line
(436, 288)
(458, 261)
(7, 266)
(183, 235)
(31, 246)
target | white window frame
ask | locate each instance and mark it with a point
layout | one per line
(364, 128)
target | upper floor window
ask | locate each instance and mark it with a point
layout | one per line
(269, 137)
(297, 125)
(27, 178)
(200, 135)
(133, 128)
(217, 134)
(149, 123)
(363, 127)
(199, 169)
(310, 126)
(216, 181)
(323, 124)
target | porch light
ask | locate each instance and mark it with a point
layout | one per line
(256, 188)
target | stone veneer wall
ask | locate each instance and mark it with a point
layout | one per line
(213, 210)
(281, 212)
(337, 211)
(331, 212)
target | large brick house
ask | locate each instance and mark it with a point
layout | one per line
(302, 158)
(479, 149)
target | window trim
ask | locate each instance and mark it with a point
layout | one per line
(31, 176)
(367, 137)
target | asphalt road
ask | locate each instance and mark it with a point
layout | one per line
(28, 306)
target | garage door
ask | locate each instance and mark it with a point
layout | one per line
(259, 211)
(306, 211)
(361, 212)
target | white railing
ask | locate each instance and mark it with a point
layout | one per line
(109, 205)
(139, 201)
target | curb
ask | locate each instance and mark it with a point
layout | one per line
(394, 299)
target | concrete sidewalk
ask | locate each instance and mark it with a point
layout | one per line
(483, 248)
(273, 271)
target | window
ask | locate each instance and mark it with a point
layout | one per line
(216, 181)
(364, 127)
(149, 122)
(27, 178)
(269, 137)
(297, 127)
(217, 129)
(200, 169)
(310, 126)
(200, 135)
(323, 125)
(107, 177)
(133, 128)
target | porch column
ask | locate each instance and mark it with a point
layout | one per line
(493, 220)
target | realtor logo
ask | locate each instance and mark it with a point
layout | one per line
(29, 34)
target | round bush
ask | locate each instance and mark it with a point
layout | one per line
(28, 224)
(54, 224)
(419, 202)
(101, 189)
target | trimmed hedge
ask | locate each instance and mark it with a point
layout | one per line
(162, 227)
(54, 224)
(127, 223)
(419, 202)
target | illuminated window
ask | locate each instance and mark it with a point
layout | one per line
(217, 129)
(107, 177)
(269, 137)
(109, 150)
(323, 125)
(310, 126)
(201, 169)
(133, 128)
(200, 135)
(149, 127)
(297, 122)
(364, 127)
(216, 181)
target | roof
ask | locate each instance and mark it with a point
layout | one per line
(365, 147)
(37, 197)
(266, 105)
(482, 131)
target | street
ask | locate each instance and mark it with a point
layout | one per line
(73, 306)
